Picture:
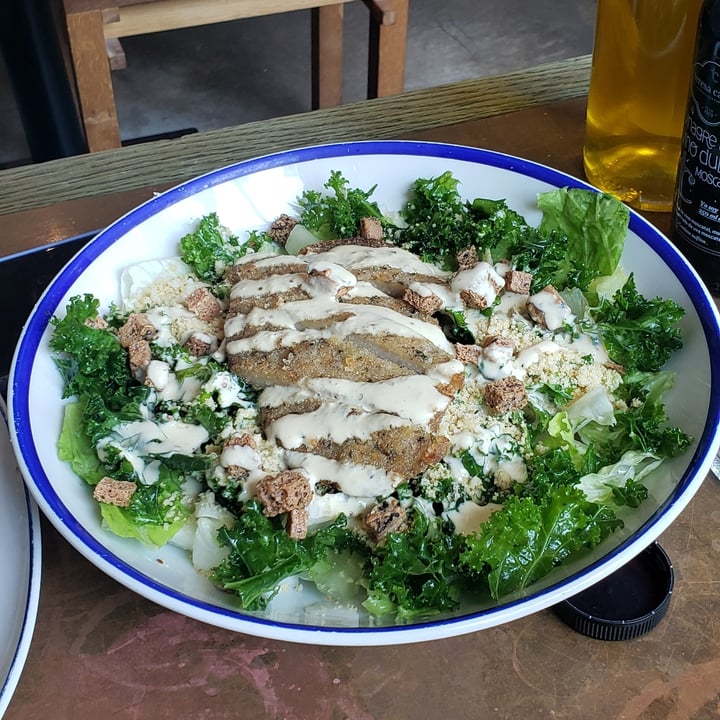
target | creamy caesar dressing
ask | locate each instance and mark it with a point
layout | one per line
(141, 441)
(352, 479)
(359, 257)
(481, 279)
(363, 320)
(469, 516)
(413, 397)
(554, 310)
(336, 422)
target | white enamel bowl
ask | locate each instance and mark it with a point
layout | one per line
(250, 195)
(20, 564)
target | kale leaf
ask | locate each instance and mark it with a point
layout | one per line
(416, 574)
(90, 359)
(210, 249)
(440, 223)
(262, 554)
(524, 540)
(639, 333)
(338, 215)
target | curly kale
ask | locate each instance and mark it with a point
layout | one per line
(262, 554)
(338, 215)
(210, 248)
(640, 334)
(525, 539)
(90, 358)
(440, 223)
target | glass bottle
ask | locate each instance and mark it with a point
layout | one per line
(639, 83)
(695, 225)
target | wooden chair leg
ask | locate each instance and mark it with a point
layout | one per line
(388, 41)
(327, 55)
(92, 75)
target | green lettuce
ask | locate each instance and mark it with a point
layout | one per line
(595, 225)
(74, 446)
(156, 511)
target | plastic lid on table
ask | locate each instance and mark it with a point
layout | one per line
(626, 604)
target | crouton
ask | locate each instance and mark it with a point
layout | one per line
(199, 344)
(139, 357)
(114, 492)
(137, 327)
(547, 308)
(474, 300)
(426, 302)
(498, 340)
(468, 354)
(371, 228)
(518, 281)
(244, 440)
(467, 258)
(506, 394)
(385, 518)
(97, 323)
(286, 491)
(281, 228)
(297, 525)
(203, 304)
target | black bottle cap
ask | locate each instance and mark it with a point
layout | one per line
(626, 604)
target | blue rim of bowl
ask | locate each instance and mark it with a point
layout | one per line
(48, 304)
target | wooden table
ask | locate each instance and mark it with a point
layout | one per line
(101, 651)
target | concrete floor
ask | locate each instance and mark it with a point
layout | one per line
(230, 73)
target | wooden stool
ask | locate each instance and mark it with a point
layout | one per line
(93, 25)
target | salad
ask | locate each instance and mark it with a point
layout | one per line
(403, 407)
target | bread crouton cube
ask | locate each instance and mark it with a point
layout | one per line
(283, 492)
(203, 304)
(137, 327)
(467, 258)
(424, 301)
(281, 228)
(386, 517)
(97, 323)
(371, 228)
(199, 344)
(139, 357)
(518, 281)
(468, 354)
(297, 525)
(474, 300)
(114, 492)
(548, 309)
(506, 394)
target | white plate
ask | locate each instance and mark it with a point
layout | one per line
(251, 195)
(20, 567)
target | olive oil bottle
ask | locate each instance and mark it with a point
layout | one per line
(639, 82)
(695, 226)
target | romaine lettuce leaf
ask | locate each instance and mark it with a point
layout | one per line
(74, 446)
(633, 465)
(595, 224)
(156, 512)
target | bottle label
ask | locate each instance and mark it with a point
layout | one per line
(697, 202)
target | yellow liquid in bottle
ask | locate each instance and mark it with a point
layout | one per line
(638, 94)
